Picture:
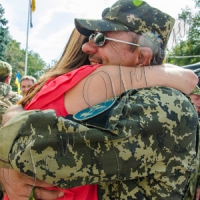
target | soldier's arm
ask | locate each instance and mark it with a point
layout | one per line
(118, 144)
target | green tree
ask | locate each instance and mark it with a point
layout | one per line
(4, 34)
(197, 2)
(16, 57)
(187, 51)
(11, 52)
(36, 66)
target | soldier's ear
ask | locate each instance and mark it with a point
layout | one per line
(8, 79)
(145, 56)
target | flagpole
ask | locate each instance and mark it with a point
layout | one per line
(27, 34)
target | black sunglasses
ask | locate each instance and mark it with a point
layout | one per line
(100, 39)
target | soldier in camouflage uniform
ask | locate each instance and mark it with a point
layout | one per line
(7, 96)
(141, 145)
(195, 95)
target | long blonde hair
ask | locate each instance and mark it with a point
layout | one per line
(72, 58)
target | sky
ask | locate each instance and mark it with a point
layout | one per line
(53, 21)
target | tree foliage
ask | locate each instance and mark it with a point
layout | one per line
(187, 51)
(4, 33)
(36, 66)
(11, 52)
(16, 57)
(197, 2)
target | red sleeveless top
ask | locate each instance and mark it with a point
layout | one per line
(51, 96)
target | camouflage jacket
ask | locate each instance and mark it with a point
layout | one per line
(142, 145)
(7, 98)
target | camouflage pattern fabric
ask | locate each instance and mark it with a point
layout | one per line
(145, 146)
(195, 181)
(131, 15)
(5, 68)
(7, 98)
(196, 90)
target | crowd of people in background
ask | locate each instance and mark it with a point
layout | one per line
(123, 126)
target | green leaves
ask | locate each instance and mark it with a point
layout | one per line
(4, 34)
(187, 49)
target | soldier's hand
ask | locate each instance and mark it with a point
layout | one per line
(19, 186)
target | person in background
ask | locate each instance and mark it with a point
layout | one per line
(195, 97)
(196, 91)
(132, 130)
(7, 96)
(197, 72)
(26, 82)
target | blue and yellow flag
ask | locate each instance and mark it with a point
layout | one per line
(17, 82)
(33, 7)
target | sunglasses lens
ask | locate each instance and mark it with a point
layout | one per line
(91, 36)
(99, 39)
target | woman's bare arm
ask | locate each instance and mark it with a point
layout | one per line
(110, 81)
(172, 76)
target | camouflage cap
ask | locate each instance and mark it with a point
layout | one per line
(196, 91)
(5, 68)
(131, 15)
